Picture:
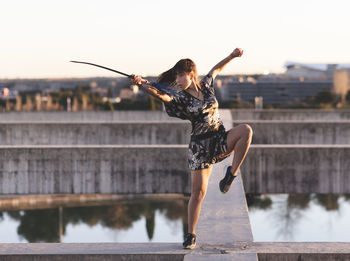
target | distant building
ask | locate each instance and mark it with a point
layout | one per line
(277, 91)
(6, 93)
(299, 82)
(126, 93)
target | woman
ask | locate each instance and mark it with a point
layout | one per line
(210, 142)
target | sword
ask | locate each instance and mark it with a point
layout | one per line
(109, 69)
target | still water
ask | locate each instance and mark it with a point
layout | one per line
(273, 217)
(300, 217)
(146, 221)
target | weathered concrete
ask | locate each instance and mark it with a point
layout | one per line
(128, 169)
(290, 114)
(166, 132)
(273, 251)
(237, 114)
(94, 169)
(125, 132)
(223, 230)
(90, 257)
(220, 257)
(299, 132)
(297, 256)
(224, 215)
(87, 116)
(119, 168)
(91, 251)
(297, 169)
(26, 202)
(284, 247)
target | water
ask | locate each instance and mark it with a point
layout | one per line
(300, 217)
(146, 221)
(273, 217)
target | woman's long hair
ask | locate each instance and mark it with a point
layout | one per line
(182, 66)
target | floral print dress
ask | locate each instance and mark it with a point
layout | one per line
(208, 138)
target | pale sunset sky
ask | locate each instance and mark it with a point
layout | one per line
(147, 37)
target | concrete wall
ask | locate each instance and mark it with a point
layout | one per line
(297, 169)
(50, 133)
(322, 115)
(166, 132)
(86, 116)
(94, 169)
(238, 251)
(163, 169)
(299, 132)
(237, 114)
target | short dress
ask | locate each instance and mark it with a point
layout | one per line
(208, 143)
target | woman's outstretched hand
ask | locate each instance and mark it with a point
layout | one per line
(136, 79)
(238, 52)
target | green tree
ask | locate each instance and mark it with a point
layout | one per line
(325, 97)
(347, 97)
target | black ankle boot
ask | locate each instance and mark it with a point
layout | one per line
(226, 182)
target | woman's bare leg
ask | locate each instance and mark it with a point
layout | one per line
(199, 189)
(238, 140)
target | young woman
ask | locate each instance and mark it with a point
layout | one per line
(210, 142)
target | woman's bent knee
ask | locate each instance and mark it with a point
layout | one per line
(247, 131)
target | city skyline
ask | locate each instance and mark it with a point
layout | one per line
(149, 37)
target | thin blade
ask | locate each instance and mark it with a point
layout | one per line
(109, 69)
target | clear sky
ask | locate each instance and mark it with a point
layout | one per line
(147, 37)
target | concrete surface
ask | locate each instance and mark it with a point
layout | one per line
(297, 169)
(220, 257)
(237, 114)
(86, 116)
(223, 230)
(299, 132)
(124, 169)
(224, 217)
(124, 132)
(166, 132)
(290, 114)
(274, 251)
(26, 202)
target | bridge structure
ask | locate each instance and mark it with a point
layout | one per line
(47, 165)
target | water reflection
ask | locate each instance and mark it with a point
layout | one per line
(299, 217)
(48, 225)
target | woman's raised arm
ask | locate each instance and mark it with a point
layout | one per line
(147, 87)
(238, 52)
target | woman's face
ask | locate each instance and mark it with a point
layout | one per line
(183, 80)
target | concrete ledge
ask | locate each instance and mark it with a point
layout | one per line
(125, 132)
(299, 132)
(163, 169)
(224, 217)
(83, 257)
(91, 248)
(54, 201)
(94, 169)
(311, 257)
(290, 114)
(297, 169)
(221, 257)
(237, 114)
(171, 251)
(86, 116)
(94, 251)
(282, 247)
